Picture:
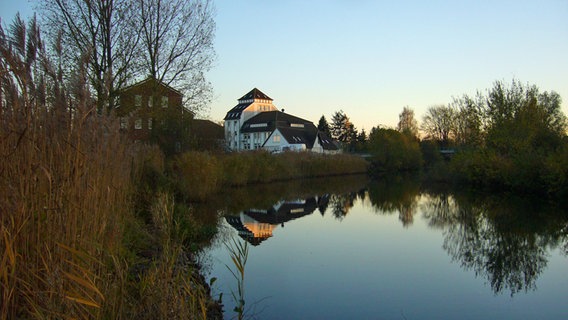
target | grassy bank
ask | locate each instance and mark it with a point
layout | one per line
(197, 175)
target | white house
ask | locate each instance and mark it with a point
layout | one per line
(255, 123)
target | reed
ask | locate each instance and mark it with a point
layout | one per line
(200, 174)
(170, 288)
(238, 250)
(70, 227)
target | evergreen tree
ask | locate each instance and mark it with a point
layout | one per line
(323, 126)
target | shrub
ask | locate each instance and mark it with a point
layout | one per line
(196, 174)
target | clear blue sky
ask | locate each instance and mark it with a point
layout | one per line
(372, 58)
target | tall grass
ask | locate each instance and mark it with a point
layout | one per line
(168, 289)
(238, 250)
(69, 221)
(201, 174)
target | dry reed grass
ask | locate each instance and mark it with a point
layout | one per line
(66, 200)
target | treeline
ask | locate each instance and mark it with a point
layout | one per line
(512, 137)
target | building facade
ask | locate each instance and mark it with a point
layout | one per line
(153, 111)
(255, 123)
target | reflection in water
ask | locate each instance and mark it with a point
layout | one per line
(256, 225)
(507, 247)
(341, 204)
(504, 241)
(398, 194)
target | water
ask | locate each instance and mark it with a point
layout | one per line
(391, 250)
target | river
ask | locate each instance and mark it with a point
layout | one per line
(349, 248)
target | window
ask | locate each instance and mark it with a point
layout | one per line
(149, 123)
(276, 138)
(138, 124)
(164, 102)
(150, 101)
(123, 123)
(137, 100)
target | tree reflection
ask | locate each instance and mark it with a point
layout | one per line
(393, 195)
(342, 203)
(501, 242)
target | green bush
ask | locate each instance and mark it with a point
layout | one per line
(393, 151)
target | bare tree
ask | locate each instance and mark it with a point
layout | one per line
(407, 123)
(439, 123)
(469, 120)
(100, 32)
(177, 45)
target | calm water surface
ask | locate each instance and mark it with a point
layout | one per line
(349, 249)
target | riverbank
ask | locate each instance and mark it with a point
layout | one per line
(93, 226)
(197, 175)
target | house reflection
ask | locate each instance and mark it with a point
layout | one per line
(257, 225)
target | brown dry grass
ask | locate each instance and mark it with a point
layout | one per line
(67, 181)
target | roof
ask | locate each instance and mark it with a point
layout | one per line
(295, 130)
(235, 113)
(326, 142)
(300, 135)
(255, 94)
(271, 118)
(207, 129)
(160, 83)
(244, 102)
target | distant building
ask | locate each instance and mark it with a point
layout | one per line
(153, 111)
(206, 135)
(255, 123)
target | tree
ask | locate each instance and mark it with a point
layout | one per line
(521, 119)
(323, 126)
(341, 128)
(361, 142)
(406, 123)
(170, 40)
(393, 151)
(468, 123)
(177, 45)
(101, 33)
(439, 123)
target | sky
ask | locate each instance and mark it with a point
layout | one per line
(372, 58)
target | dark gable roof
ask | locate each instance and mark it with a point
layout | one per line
(151, 79)
(285, 124)
(270, 118)
(207, 129)
(326, 142)
(305, 136)
(235, 113)
(255, 94)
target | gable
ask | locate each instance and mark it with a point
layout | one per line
(255, 94)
